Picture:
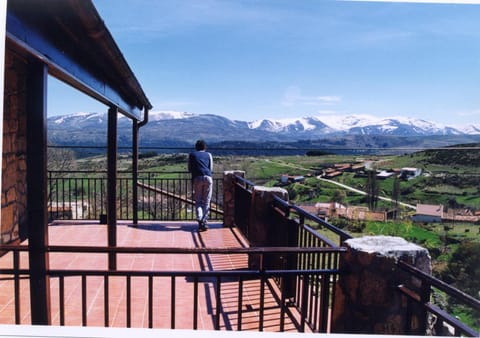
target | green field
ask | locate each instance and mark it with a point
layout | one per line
(452, 183)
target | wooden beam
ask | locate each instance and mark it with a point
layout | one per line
(66, 68)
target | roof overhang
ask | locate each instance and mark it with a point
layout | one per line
(71, 38)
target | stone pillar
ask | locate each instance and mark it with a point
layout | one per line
(367, 300)
(14, 224)
(261, 230)
(229, 197)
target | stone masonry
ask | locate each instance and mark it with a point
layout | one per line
(14, 168)
(367, 300)
(229, 197)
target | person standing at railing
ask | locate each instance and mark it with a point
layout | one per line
(200, 165)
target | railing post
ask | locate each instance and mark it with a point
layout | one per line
(112, 186)
(229, 197)
(134, 172)
(367, 299)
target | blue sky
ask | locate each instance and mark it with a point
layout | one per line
(252, 59)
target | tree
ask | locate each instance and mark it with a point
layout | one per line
(60, 159)
(463, 269)
(396, 194)
(452, 206)
(372, 189)
(463, 272)
(339, 196)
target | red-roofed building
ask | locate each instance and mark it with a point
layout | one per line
(428, 213)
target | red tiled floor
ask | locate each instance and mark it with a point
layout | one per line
(177, 235)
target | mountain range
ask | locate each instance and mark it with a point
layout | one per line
(171, 128)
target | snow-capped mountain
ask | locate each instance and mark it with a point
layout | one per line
(187, 127)
(303, 124)
(78, 119)
(470, 129)
(168, 115)
(361, 124)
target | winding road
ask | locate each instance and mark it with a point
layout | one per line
(344, 186)
(364, 193)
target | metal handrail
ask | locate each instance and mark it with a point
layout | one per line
(343, 235)
(460, 328)
(441, 285)
(177, 273)
(249, 185)
(313, 297)
(312, 236)
(82, 194)
(176, 250)
(307, 276)
(288, 206)
(213, 207)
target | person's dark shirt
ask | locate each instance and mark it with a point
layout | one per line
(200, 163)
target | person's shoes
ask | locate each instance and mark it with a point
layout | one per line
(202, 226)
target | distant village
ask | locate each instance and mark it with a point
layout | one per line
(423, 213)
(360, 171)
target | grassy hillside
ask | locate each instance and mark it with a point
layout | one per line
(448, 175)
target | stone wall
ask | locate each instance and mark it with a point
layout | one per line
(229, 197)
(14, 168)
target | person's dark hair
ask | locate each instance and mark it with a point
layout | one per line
(200, 145)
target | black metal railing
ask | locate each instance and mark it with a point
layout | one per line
(439, 318)
(81, 195)
(296, 227)
(157, 284)
(332, 236)
(305, 272)
(287, 212)
(243, 198)
(313, 297)
(320, 290)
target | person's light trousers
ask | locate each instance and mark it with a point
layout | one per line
(202, 194)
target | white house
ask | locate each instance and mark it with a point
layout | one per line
(385, 174)
(409, 173)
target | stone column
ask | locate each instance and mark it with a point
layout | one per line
(367, 300)
(229, 197)
(261, 230)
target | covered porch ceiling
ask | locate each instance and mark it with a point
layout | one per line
(71, 38)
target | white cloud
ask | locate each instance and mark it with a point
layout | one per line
(293, 97)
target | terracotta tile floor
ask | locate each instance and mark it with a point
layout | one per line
(178, 235)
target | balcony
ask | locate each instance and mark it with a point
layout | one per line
(260, 266)
(163, 268)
